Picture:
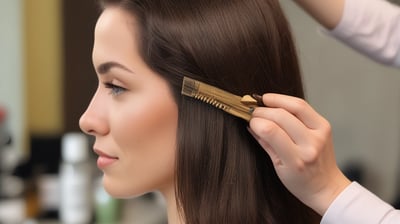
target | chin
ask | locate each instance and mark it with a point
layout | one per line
(120, 190)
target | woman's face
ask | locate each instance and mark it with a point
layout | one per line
(132, 115)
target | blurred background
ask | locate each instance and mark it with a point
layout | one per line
(47, 80)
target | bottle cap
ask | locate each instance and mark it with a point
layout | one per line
(74, 147)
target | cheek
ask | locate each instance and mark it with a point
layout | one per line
(145, 125)
(145, 134)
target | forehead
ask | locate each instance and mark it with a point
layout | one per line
(113, 16)
(114, 33)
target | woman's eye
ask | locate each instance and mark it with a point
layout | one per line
(114, 89)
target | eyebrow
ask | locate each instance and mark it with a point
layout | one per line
(107, 66)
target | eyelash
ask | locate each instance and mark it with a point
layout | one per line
(114, 89)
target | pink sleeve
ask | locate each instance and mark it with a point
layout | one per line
(358, 205)
(371, 27)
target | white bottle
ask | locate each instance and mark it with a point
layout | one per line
(76, 204)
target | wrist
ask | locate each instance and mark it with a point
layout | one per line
(322, 200)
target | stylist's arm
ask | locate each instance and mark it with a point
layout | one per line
(299, 142)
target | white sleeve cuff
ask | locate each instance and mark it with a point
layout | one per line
(358, 205)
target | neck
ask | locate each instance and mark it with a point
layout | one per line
(172, 211)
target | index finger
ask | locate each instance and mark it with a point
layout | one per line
(296, 106)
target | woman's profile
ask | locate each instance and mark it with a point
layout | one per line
(150, 137)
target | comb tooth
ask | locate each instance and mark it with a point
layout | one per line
(211, 101)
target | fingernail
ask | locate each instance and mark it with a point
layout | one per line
(258, 98)
(251, 110)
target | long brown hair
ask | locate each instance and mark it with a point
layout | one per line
(243, 46)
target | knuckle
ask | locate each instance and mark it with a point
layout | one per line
(313, 154)
(325, 132)
(300, 166)
(268, 129)
(327, 128)
(318, 144)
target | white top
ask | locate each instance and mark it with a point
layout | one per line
(371, 27)
(357, 205)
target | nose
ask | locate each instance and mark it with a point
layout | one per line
(94, 120)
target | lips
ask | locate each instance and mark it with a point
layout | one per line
(104, 159)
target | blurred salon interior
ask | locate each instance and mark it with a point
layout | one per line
(47, 80)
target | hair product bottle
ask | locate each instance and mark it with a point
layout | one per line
(76, 206)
